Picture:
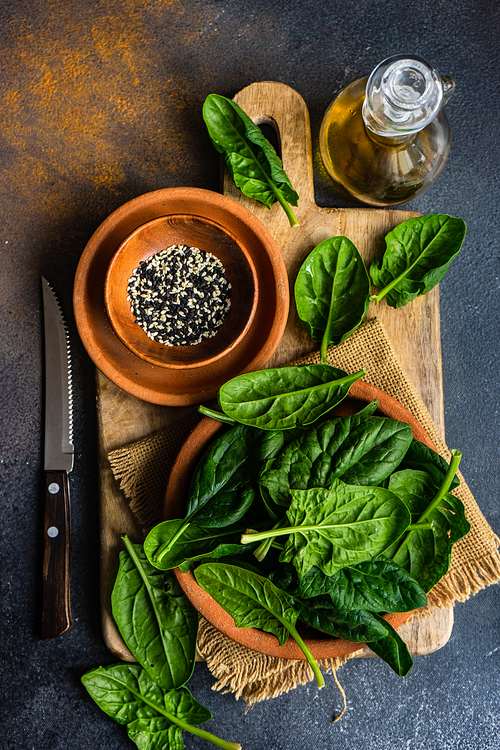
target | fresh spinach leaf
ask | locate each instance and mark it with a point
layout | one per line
(339, 526)
(155, 717)
(377, 585)
(253, 601)
(355, 625)
(251, 160)
(318, 612)
(426, 552)
(219, 495)
(392, 649)
(332, 292)
(228, 506)
(167, 549)
(281, 398)
(360, 449)
(418, 253)
(454, 511)
(359, 626)
(157, 622)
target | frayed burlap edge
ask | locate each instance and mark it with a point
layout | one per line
(253, 676)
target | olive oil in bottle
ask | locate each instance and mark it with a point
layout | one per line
(385, 138)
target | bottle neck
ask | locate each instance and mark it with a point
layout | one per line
(403, 95)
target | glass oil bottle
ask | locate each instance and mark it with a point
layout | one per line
(386, 138)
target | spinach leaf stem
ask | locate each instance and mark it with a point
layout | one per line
(285, 206)
(320, 680)
(377, 297)
(326, 333)
(270, 534)
(261, 551)
(165, 548)
(419, 526)
(257, 536)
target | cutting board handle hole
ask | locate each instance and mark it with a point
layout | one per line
(269, 130)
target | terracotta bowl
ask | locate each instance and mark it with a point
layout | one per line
(207, 235)
(250, 333)
(320, 645)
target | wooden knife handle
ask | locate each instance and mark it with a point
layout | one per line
(56, 614)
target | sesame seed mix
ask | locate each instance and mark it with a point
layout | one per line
(180, 296)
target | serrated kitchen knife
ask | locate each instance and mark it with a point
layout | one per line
(58, 462)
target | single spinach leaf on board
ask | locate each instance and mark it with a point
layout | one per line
(418, 253)
(426, 553)
(251, 160)
(281, 398)
(191, 545)
(361, 449)
(377, 585)
(156, 620)
(217, 496)
(339, 526)
(420, 457)
(392, 649)
(155, 717)
(253, 601)
(332, 292)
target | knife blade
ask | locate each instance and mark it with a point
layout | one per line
(58, 462)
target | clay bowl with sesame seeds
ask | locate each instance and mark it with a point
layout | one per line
(209, 266)
(181, 291)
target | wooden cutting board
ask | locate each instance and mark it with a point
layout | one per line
(413, 330)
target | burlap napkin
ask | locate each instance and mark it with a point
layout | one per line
(142, 470)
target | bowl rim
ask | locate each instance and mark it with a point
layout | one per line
(257, 640)
(135, 376)
(113, 318)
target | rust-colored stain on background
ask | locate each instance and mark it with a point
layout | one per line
(102, 102)
(85, 99)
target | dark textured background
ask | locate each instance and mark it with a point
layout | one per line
(101, 101)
